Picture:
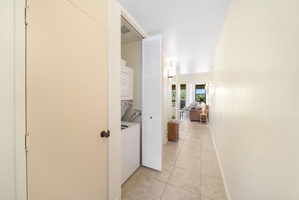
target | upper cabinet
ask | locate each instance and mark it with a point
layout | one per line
(127, 76)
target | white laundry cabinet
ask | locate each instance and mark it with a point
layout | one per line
(127, 81)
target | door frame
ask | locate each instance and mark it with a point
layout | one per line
(133, 23)
(19, 99)
(113, 107)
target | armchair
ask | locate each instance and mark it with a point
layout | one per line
(191, 106)
(195, 113)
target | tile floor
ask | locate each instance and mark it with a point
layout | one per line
(190, 170)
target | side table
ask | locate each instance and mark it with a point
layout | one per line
(203, 117)
(173, 130)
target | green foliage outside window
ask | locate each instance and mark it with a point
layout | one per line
(173, 95)
(200, 94)
(183, 94)
(200, 97)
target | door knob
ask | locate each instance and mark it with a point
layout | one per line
(105, 134)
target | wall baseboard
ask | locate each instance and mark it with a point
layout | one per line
(221, 171)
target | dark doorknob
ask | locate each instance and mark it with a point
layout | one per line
(105, 134)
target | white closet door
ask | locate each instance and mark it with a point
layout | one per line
(67, 98)
(152, 102)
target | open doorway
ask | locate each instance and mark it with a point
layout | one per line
(141, 94)
(131, 121)
(131, 44)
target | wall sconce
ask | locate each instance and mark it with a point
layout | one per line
(170, 73)
(207, 86)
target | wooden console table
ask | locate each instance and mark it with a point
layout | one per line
(173, 130)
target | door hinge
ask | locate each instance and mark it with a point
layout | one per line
(26, 15)
(27, 142)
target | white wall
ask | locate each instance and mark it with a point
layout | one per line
(12, 101)
(167, 110)
(132, 54)
(114, 115)
(194, 78)
(191, 80)
(254, 100)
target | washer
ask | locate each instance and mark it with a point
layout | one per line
(130, 149)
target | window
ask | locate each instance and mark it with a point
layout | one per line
(173, 93)
(200, 93)
(183, 96)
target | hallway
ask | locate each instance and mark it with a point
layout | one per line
(190, 170)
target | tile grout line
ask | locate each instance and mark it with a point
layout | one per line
(174, 165)
(200, 161)
(184, 189)
(187, 169)
(188, 128)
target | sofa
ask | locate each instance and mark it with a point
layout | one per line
(195, 113)
(192, 105)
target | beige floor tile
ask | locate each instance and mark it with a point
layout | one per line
(195, 145)
(159, 175)
(186, 151)
(182, 136)
(196, 123)
(140, 187)
(184, 125)
(206, 135)
(169, 158)
(210, 169)
(194, 129)
(205, 125)
(208, 156)
(174, 193)
(184, 122)
(185, 179)
(183, 129)
(204, 198)
(189, 163)
(173, 147)
(212, 188)
(190, 169)
(220, 189)
(205, 131)
(208, 147)
(208, 141)
(194, 133)
(193, 138)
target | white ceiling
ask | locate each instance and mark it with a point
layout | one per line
(191, 29)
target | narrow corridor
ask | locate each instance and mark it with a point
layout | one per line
(190, 170)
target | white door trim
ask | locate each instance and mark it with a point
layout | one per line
(13, 100)
(114, 109)
(133, 23)
(20, 109)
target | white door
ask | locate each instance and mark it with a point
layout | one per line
(66, 100)
(152, 102)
